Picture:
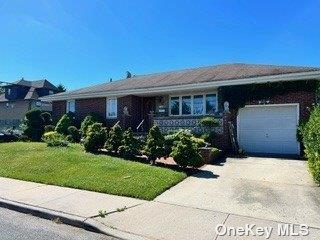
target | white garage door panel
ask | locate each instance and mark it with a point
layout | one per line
(268, 129)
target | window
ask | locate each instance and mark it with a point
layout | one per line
(211, 103)
(112, 106)
(71, 106)
(198, 105)
(193, 105)
(9, 91)
(175, 106)
(186, 105)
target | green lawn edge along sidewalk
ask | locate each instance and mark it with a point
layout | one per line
(72, 167)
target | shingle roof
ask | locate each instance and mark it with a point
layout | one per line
(191, 76)
(44, 83)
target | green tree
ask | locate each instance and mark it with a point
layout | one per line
(130, 146)
(155, 144)
(61, 88)
(96, 137)
(64, 123)
(114, 140)
(33, 125)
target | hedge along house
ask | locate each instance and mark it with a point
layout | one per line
(265, 103)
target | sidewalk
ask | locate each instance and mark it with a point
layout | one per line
(127, 218)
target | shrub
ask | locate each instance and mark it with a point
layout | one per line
(54, 139)
(186, 152)
(155, 144)
(47, 119)
(49, 128)
(114, 140)
(209, 137)
(311, 141)
(209, 122)
(173, 139)
(74, 134)
(216, 153)
(33, 126)
(130, 146)
(89, 120)
(64, 123)
(96, 137)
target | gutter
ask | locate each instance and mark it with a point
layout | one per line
(313, 75)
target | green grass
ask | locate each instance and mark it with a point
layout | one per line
(72, 167)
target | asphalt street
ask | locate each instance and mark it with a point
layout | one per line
(20, 226)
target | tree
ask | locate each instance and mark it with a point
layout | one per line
(115, 138)
(47, 119)
(129, 145)
(89, 120)
(33, 125)
(61, 88)
(64, 123)
(186, 152)
(155, 145)
(95, 138)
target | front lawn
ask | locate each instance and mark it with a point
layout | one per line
(72, 167)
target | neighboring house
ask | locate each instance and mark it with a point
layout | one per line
(21, 96)
(264, 102)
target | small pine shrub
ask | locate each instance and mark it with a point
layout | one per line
(74, 134)
(209, 122)
(64, 123)
(130, 146)
(54, 139)
(96, 137)
(155, 144)
(186, 152)
(89, 120)
(311, 141)
(114, 140)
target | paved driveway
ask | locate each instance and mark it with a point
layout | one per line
(265, 188)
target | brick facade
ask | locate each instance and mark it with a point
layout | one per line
(91, 105)
(58, 109)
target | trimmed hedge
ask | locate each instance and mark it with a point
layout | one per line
(311, 141)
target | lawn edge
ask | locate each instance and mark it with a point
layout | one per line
(88, 224)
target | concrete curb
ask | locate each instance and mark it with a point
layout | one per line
(88, 224)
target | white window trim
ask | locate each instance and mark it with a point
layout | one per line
(192, 96)
(107, 115)
(68, 104)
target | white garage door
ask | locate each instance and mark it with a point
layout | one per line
(268, 129)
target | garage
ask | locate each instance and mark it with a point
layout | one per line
(269, 129)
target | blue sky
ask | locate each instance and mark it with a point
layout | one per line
(80, 43)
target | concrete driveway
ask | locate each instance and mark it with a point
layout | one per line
(265, 188)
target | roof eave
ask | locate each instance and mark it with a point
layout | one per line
(311, 75)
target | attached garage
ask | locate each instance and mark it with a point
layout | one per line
(269, 129)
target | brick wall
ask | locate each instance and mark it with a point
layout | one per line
(91, 105)
(58, 109)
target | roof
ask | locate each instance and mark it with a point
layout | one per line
(32, 85)
(43, 83)
(211, 74)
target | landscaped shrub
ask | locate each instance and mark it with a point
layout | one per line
(47, 119)
(114, 140)
(155, 145)
(173, 139)
(96, 137)
(49, 128)
(32, 126)
(216, 153)
(64, 123)
(209, 137)
(89, 120)
(130, 146)
(74, 134)
(311, 141)
(186, 152)
(209, 122)
(54, 139)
